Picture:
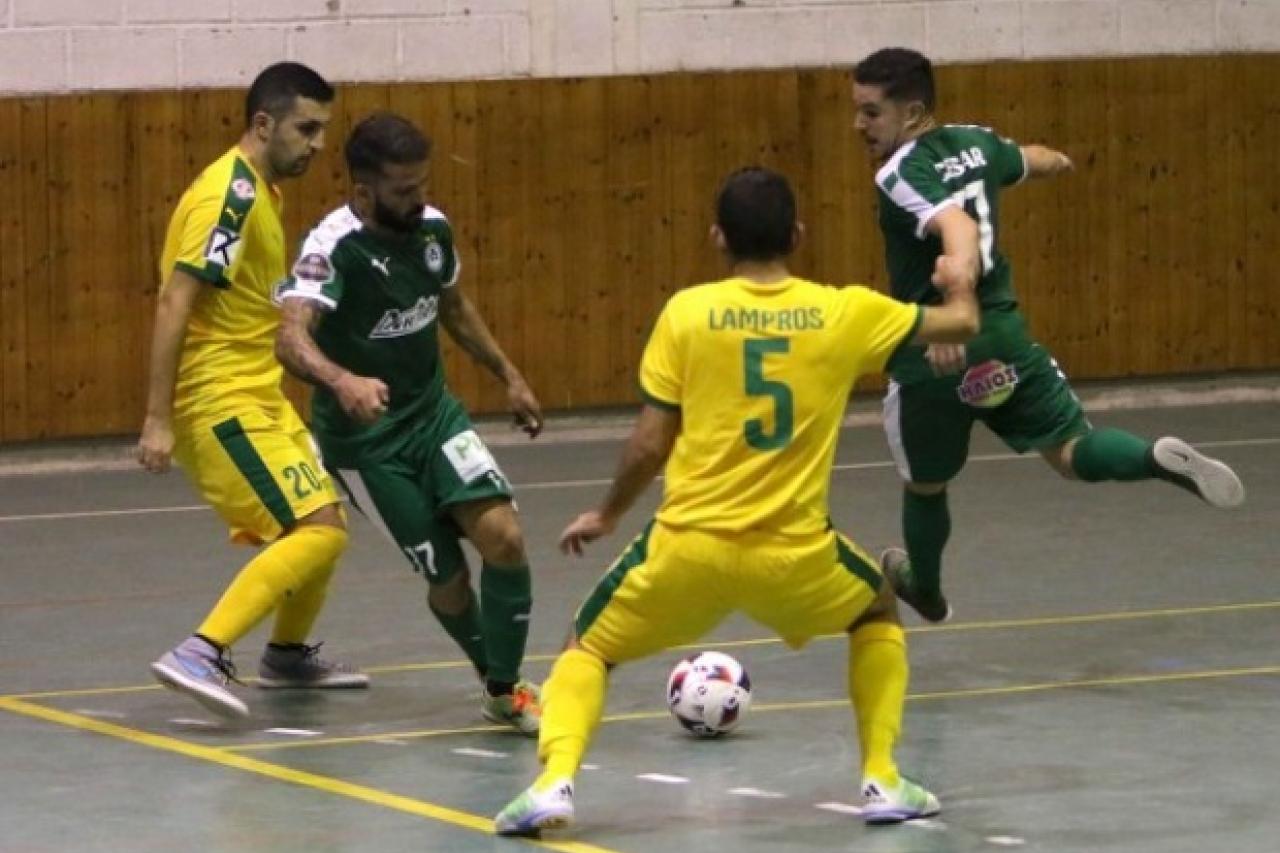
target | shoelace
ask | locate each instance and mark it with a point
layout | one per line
(311, 655)
(227, 667)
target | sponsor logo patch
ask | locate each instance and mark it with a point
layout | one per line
(222, 248)
(988, 385)
(469, 457)
(397, 323)
(314, 267)
(242, 188)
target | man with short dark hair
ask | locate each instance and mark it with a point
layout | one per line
(360, 312)
(939, 190)
(214, 401)
(745, 383)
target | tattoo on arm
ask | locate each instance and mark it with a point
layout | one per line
(296, 348)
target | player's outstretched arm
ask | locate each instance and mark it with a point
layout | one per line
(652, 438)
(1045, 162)
(173, 311)
(362, 397)
(467, 327)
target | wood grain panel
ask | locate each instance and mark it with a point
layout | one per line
(580, 205)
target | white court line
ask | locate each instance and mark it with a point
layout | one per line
(480, 753)
(839, 808)
(293, 732)
(663, 778)
(758, 793)
(576, 484)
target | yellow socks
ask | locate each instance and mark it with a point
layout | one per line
(284, 568)
(572, 702)
(878, 687)
(297, 613)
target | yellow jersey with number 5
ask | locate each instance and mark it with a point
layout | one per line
(761, 375)
(227, 232)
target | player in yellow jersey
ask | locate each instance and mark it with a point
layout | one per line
(745, 383)
(215, 406)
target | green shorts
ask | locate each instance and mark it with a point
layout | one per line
(408, 487)
(1011, 384)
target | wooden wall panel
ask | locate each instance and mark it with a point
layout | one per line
(580, 205)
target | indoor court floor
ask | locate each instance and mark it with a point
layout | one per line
(1110, 681)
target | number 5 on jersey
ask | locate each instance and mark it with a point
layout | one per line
(754, 351)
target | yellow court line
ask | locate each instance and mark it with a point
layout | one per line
(817, 704)
(306, 779)
(991, 625)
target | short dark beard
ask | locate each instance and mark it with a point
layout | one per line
(384, 217)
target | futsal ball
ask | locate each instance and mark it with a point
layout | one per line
(708, 693)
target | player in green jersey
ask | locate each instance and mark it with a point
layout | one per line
(939, 191)
(360, 323)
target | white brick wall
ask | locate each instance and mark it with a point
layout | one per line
(64, 45)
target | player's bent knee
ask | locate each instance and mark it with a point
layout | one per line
(1061, 458)
(502, 544)
(330, 515)
(883, 609)
(452, 596)
(926, 488)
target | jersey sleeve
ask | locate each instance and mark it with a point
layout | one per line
(210, 243)
(315, 275)
(911, 184)
(662, 366)
(441, 255)
(877, 325)
(1010, 163)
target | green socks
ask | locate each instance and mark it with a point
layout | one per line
(1111, 454)
(506, 598)
(926, 526)
(466, 631)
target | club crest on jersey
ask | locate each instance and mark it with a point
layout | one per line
(242, 188)
(397, 323)
(434, 257)
(988, 385)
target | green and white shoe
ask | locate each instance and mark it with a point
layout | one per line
(521, 708)
(534, 811)
(893, 804)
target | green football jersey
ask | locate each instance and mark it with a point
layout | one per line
(961, 165)
(382, 297)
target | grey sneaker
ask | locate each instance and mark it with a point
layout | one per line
(521, 708)
(1212, 481)
(301, 666)
(896, 567)
(904, 801)
(202, 672)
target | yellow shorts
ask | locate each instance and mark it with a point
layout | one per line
(670, 587)
(257, 466)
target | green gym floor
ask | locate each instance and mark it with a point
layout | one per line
(1111, 680)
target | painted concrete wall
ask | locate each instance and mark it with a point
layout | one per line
(73, 45)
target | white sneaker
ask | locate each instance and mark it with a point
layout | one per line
(905, 801)
(1211, 480)
(534, 811)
